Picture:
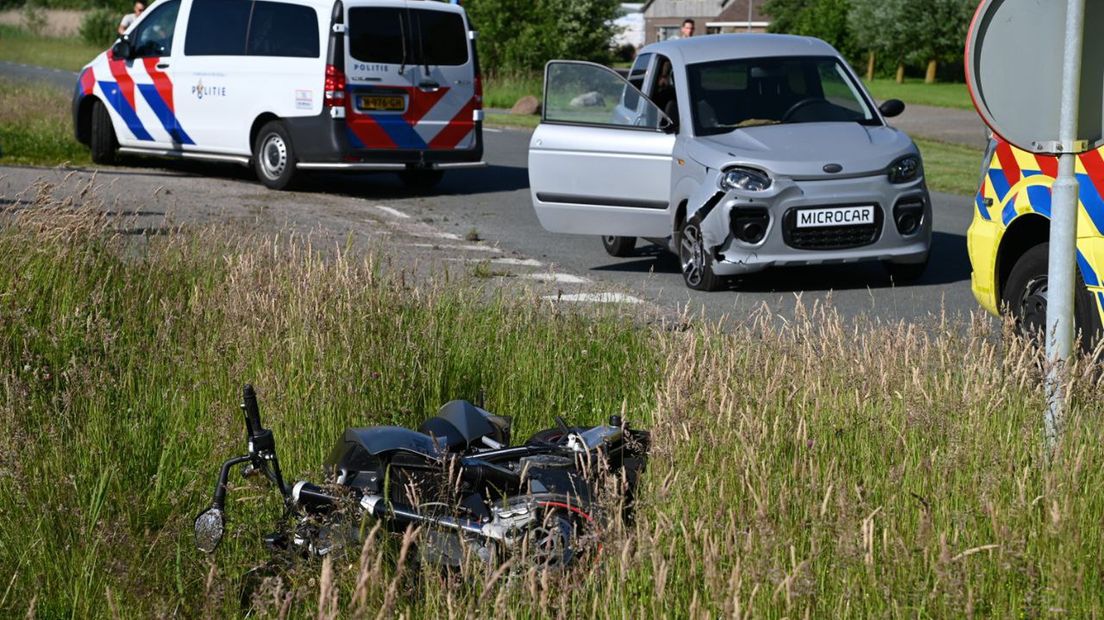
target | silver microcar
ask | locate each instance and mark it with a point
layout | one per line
(736, 152)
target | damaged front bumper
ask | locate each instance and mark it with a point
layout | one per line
(747, 231)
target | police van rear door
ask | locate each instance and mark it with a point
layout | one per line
(410, 73)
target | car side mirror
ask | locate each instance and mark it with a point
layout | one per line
(209, 527)
(122, 49)
(891, 108)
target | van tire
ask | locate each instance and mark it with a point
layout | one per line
(102, 141)
(1025, 298)
(273, 156)
(416, 177)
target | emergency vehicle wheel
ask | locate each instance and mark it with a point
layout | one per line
(415, 177)
(273, 158)
(102, 140)
(697, 264)
(1025, 297)
(618, 246)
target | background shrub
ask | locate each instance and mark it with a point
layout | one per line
(99, 26)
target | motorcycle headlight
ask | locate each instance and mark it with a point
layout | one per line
(745, 179)
(905, 169)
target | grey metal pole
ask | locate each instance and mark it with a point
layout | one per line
(1063, 228)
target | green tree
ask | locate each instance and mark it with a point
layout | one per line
(880, 28)
(823, 19)
(938, 32)
(522, 35)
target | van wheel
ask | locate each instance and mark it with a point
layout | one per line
(416, 177)
(273, 157)
(1025, 295)
(619, 246)
(694, 258)
(102, 140)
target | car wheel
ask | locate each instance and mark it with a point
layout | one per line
(1025, 296)
(416, 177)
(619, 246)
(102, 140)
(273, 157)
(904, 273)
(695, 260)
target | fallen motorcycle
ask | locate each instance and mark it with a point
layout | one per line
(456, 477)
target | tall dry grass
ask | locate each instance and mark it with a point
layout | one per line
(803, 466)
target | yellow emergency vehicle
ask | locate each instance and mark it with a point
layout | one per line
(1007, 240)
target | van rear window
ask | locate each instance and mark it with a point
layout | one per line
(407, 36)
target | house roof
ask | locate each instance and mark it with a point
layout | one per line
(736, 10)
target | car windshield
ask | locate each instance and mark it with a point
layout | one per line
(730, 94)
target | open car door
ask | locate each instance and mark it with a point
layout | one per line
(600, 161)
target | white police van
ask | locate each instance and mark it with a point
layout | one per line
(289, 86)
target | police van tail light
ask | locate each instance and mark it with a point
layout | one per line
(334, 90)
(478, 92)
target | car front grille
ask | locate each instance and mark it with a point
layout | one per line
(830, 237)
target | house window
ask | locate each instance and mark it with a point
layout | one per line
(667, 32)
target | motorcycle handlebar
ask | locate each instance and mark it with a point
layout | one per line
(252, 411)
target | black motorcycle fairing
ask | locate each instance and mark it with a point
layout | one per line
(362, 449)
(460, 424)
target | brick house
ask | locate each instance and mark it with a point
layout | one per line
(663, 18)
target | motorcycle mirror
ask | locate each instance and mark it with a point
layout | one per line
(209, 527)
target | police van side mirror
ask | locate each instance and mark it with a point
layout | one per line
(122, 49)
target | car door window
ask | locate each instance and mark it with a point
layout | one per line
(662, 91)
(631, 97)
(154, 36)
(583, 93)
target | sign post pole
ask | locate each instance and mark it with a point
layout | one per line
(1063, 228)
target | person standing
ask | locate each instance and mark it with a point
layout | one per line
(687, 29)
(129, 18)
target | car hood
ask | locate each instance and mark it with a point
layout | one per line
(804, 149)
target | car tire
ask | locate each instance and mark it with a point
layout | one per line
(419, 178)
(1025, 297)
(906, 273)
(102, 141)
(619, 246)
(273, 156)
(694, 260)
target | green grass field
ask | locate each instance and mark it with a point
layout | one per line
(70, 54)
(950, 168)
(915, 91)
(811, 467)
(36, 126)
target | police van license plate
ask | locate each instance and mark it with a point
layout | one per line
(381, 103)
(837, 216)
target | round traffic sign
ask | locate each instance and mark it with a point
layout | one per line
(1014, 72)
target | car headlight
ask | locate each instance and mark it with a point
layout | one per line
(745, 179)
(905, 169)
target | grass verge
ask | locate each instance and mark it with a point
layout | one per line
(527, 121)
(36, 125)
(950, 168)
(68, 53)
(503, 90)
(941, 94)
(812, 467)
